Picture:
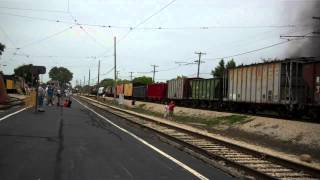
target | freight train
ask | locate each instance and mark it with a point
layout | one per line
(289, 87)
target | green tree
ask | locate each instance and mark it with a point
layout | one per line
(61, 74)
(123, 81)
(25, 72)
(231, 64)
(2, 47)
(143, 80)
(219, 70)
(107, 82)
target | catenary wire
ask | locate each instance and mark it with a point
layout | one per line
(31, 9)
(45, 38)
(160, 27)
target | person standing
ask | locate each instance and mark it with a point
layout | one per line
(49, 95)
(166, 110)
(171, 109)
(41, 94)
(58, 94)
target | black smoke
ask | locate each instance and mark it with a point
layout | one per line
(310, 46)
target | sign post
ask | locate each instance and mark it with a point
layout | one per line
(36, 70)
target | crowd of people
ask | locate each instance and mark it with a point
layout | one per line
(51, 95)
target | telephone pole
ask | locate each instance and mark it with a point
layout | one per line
(130, 76)
(154, 71)
(115, 67)
(199, 61)
(98, 73)
(118, 72)
(89, 79)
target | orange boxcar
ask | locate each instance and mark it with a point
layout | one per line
(120, 89)
(128, 89)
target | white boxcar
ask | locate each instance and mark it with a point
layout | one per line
(271, 82)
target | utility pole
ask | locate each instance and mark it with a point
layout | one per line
(98, 73)
(115, 67)
(84, 83)
(199, 61)
(89, 79)
(154, 72)
(130, 76)
(81, 89)
(118, 72)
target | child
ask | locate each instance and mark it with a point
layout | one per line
(166, 110)
(171, 109)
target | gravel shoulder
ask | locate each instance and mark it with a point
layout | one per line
(294, 138)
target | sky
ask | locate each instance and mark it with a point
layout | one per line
(76, 34)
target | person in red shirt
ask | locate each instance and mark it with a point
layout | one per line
(171, 109)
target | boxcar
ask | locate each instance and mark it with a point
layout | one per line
(139, 92)
(179, 89)
(109, 91)
(157, 91)
(206, 90)
(13, 84)
(119, 89)
(128, 90)
(311, 76)
(270, 83)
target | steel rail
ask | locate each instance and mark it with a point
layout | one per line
(254, 163)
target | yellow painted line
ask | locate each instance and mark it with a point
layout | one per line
(184, 166)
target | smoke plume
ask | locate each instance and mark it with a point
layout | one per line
(310, 46)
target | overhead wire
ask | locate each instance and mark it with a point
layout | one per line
(45, 38)
(130, 28)
(7, 36)
(147, 19)
(37, 18)
(139, 24)
(86, 32)
(31, 9)
(55, 56)
(252, 51)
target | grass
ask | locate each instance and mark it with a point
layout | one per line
(208, 121)
(212, 121)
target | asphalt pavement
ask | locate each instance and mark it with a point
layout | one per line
(75, 144)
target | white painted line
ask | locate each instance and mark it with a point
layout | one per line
(184, 166)
(9, 115)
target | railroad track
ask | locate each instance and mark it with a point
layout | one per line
(270, 114)
(253, 163)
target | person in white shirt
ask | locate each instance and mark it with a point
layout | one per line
(41, 94)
